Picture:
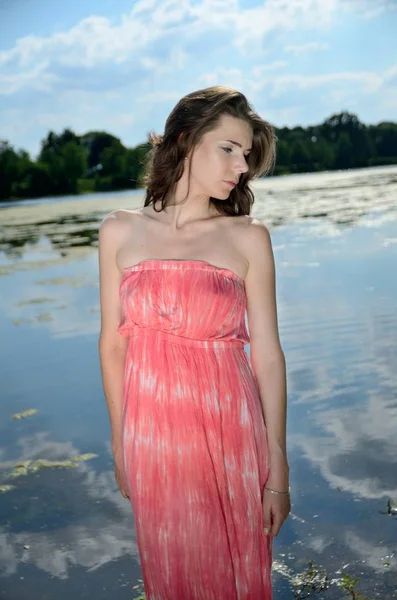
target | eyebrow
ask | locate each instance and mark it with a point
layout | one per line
(237, 144)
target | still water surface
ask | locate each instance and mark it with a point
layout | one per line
(68, 533)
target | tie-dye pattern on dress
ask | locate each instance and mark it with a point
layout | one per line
(194, 438)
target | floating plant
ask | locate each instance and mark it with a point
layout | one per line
(31, 466)
(25, 413)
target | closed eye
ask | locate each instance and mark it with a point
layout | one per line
(228, 150)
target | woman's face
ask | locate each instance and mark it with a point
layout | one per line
(219, 159)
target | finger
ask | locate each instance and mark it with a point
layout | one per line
(267, 516)
(267, 526)
(275, 527)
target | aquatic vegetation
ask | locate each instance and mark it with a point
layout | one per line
(314, 579)
(373, 563)
(31, 466)
(310, 582)
(25, 413)
(73, 282)
(19, 322)
(40, 300)
(348, 584)
(139, 587)
(46, 317)
(391, 507)
(6, 488)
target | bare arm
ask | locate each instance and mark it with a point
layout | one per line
(267, 356)
(112, 346)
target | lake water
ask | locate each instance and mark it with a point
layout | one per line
(68, 532)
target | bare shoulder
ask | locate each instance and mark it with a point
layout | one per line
(254, 241)
(114, 230)
(255, 227)
(117, 225)
(117, 219)
(258, 235)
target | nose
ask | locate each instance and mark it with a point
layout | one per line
(241, 165)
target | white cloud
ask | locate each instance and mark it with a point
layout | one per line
(230, 77)
(142, 45)
(95, 74)
(304, 48)
(91, 544)
(97, 42)
(36, 78)
(368, 80)
(282, 15)
(368, 9)
(257, 79)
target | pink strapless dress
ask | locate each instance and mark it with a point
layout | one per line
(194, 438)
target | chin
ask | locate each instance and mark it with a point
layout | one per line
(221, 196)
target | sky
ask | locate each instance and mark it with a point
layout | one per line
(121, 66)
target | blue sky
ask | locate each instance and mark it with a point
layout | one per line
(122, 66)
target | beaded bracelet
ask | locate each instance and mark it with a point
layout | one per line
(277, 492)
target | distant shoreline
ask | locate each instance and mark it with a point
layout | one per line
(278, 199)
(261, 183)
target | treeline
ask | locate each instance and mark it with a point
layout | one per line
(97, 161)
(70, 164)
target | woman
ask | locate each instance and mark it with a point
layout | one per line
(198, 431)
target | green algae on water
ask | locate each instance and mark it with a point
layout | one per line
(6, 488)
(31, 466)
(25, 413)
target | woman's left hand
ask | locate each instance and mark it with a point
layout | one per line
(276, 507)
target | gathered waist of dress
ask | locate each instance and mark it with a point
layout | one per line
(138, 331)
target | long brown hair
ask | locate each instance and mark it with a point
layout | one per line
(193, 116)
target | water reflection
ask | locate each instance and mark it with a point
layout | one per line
(338, 324)
(59, 519)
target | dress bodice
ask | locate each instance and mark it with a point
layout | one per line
(192, 300)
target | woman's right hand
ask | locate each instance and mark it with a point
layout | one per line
(119, 471)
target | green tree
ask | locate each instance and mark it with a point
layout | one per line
(68, 163)
(95, 143)
(9, 169)
(300, 155)
(65, 161)
(38, 180)
(135, 159)
(283, 152)
(54, 142)
(385, 139)
(344, 155)
(112, 160)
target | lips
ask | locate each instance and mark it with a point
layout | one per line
(231, 183)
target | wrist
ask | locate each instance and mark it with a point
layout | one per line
(278, 475)
(285, 492)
